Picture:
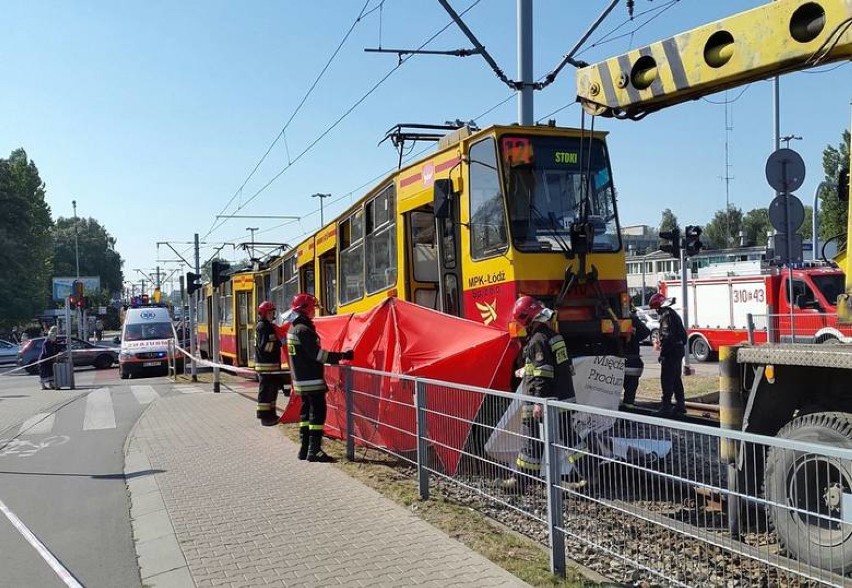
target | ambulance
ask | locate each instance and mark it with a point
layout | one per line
(145, 338)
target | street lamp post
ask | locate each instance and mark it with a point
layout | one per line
(321, 197)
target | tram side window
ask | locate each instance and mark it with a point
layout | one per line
(380, 242)
(290, 286)
(488, 233)
(226, 301)
(351, 242)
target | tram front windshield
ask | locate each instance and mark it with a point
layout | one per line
(552, 181)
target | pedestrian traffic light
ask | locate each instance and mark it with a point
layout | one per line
(691, 238)
(72, 300)
(217, 270)
(673, 245)
(193, 282)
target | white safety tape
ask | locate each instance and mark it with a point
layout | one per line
(23, 367)
(241, 371)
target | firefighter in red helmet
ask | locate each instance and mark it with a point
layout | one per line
(307, 359)
(267, 363)
(672, 349)
(547, 373)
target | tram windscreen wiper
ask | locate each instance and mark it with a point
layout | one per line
(551, 224)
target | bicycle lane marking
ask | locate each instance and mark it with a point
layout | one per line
(26, 448)
(43, 551)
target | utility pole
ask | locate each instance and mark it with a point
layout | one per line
(321, 197)
(727, 178)
(684, 292)
(253, 229)
(525, 62)
(193, 316)
(77, 312)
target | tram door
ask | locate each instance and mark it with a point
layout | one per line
(245, 332)
(446, 204)
(422, 246)
(328, 282)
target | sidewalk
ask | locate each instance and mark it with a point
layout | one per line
(218, 500)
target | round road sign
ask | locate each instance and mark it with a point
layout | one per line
(785, 171)
(778, 211)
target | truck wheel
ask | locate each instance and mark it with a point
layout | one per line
(828, 340)
(123, 374)
(103, 362)
(805, 489)
(700, 349)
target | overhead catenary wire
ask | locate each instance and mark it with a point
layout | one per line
(340, 119)
(280, 134)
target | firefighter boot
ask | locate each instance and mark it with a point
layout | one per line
(315, 452)
(303, 436)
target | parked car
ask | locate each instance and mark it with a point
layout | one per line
(652, 321)
(83, 353)
(8, 351)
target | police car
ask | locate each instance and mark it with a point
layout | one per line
(145, 338)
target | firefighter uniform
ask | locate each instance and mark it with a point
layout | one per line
(267, 364)
(672, 342)
(307, 359)
(547, 374)
(634, 366)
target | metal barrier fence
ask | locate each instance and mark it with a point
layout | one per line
(635, 498)
(800, 327)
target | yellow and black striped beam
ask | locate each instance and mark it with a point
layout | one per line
(779, 37)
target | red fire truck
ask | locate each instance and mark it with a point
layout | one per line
(719, 306)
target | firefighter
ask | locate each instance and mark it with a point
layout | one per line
(634, 366)
(267, 364)
(307, 359)
(672, 343)
(547, 374)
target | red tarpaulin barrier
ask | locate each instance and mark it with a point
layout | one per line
(403, 338)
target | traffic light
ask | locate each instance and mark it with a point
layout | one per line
(673, 245)
(193, 282)
(218, 269)
(144, 299)
(691, 237)
(72, 300)
(157, 295)
(82, 302)
(78, 290)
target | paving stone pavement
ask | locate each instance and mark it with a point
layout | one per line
(246, 512)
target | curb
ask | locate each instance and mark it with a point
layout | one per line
(160, 559)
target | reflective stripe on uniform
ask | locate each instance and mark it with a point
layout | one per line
(543, 371)
(261, 406)
(304, 424)
(266, 367)
(316, 427)
(322, 356)
(309, 385)
(528, 463)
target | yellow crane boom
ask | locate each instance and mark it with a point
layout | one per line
(780, 37)
(773, 39)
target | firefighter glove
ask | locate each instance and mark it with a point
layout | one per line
(348, 355)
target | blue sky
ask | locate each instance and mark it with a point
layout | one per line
(151, 114)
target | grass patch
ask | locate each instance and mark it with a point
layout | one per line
(693, 386)
(519, 555)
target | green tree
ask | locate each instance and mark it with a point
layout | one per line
(98, 256)
(756, 225)
(723, 231)
(25, 243)
(668, 221)
(832, 212)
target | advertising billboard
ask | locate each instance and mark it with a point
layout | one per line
(62, 286)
